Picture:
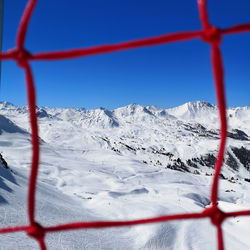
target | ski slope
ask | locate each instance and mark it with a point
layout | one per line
(101, 164)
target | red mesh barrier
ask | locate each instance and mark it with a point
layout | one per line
(209, 34)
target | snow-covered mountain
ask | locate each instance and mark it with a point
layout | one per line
(154, 160)
(184, 138)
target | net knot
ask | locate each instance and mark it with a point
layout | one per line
(212, 36)
(215, 214)
(21, 56)
(36, 231)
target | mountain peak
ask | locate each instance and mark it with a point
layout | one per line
(6, 104)
(199, 104)
(195, 106)
(134, 106)
(191, 110)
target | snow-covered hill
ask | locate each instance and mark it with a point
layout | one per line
(130, 162)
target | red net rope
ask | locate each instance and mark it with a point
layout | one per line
(209, 34)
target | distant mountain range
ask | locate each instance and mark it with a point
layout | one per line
(185, 138)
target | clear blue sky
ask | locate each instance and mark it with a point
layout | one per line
(166, 75)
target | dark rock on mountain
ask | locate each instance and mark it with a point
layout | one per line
(3, 162)
(41, 113)
(201, 130)
(243, 155)
(238, 135)
(231, 162)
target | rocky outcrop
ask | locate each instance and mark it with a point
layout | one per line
(3, 162)
(231, 162)
(243, 155)
(238, 134)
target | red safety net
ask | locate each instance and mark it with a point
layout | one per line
(208, 34)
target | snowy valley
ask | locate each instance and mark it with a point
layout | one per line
(128, 163)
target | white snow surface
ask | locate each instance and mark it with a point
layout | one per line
(101, 164)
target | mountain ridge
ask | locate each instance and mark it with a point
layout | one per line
(4, 104)
(184, 138)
